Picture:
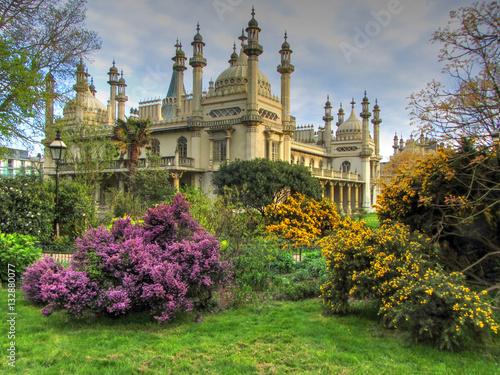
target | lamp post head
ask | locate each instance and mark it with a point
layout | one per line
(58, 148)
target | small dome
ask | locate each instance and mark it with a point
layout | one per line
(198, 38)
(121, 80)
(352, 128)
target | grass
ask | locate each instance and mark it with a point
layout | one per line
(273, 338)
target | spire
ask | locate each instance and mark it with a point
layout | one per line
(352, 103)
(340, 115)
(286, 52)
(92, 87)
(253, 48)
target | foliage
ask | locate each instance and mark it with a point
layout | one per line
(471, 53)
(397, 269)
(224, 217)
(26, 207)
(265, 181)
(129, 137)
(166, 265)
(17, 252)
(454, 197)
(37, 37)
(301, 220)
(90, 152)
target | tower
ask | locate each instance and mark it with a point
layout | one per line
(121, 98)
(198, 62)
(328, 125)
(50, 83)
(179, 66)
(253, 50)
(376, 127)
(113, 83)
(365, 154)
(81, 87)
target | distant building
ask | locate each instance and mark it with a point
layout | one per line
(19, 162)
(237, 118)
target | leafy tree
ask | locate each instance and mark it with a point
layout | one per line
(471, 52)
(263, 182)
(36, 37)
(130, 136)
(90, 152)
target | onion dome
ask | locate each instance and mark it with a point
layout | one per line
(113, 69)
(234, 79)
(198, 37)
(285, 45)
(253, 22)
(93, 109)
(352, 128)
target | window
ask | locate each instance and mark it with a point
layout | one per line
(182, 147)
(155, 146)
(219, 150)
(321, 164)
(275, 152)
(302, 160)
(311, 163)
(346, 166)
(292, 160)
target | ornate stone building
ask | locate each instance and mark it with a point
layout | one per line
(239, 118)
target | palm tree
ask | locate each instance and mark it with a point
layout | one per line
(130, 136)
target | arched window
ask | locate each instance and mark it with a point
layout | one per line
(302, 160)
(346, 166)
(321, 164)
(182, 147)
(292, 160)
(155, 146)
(311, 163)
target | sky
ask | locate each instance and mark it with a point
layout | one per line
(340, 48)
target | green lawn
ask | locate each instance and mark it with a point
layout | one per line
(275, 338)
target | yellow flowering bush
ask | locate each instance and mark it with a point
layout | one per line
(436, 308)
(301, 220)
(399, 270)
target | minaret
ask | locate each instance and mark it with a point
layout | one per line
(328, 125)
(198, 62)
(365, 115)
(395, 145)
(121, 98)
(285, 69)
(81, 87)
(50, 83)
(340, 115)
(113, 82)
(179, 66)
(253, 49)
(234, 56)
(376, 127)
(365, 154)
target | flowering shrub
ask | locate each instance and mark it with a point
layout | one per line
(301, 220)
(16, 250)
(398, 270)
(436, 308)
(163, 266)
(32, 278)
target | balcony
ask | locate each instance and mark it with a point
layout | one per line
(334, 175)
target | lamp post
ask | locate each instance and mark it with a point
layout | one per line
(57, 151)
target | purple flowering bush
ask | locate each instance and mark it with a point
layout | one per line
(165, 265)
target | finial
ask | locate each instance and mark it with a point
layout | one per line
(352, 103)
(91, 81)
(113, 62)
(198, 27)
(253, 11)
(286, 36)
(234, 47)
(242, 37)
(122, 73)
(327, 95)
(340, 105)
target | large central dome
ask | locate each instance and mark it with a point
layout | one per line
(235, 78)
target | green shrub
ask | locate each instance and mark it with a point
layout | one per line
(26, 206)
(19, 251)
